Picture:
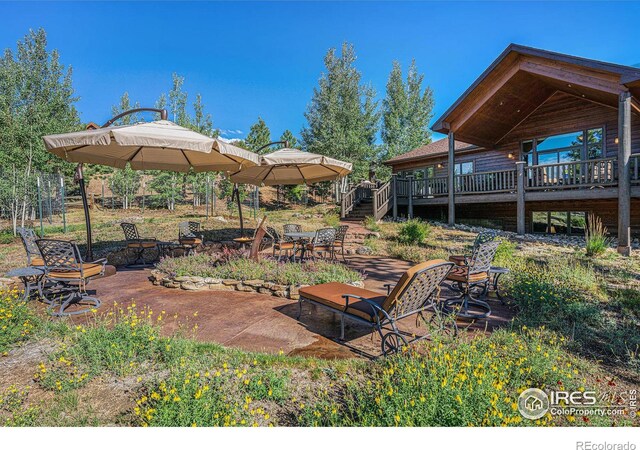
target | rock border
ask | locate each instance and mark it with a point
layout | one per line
(194, 283)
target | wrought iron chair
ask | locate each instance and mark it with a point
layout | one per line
(283, 247)
(485, 236)
(323, 242)
(290, 228)
(473, 272)
(417, 291)
(188, 236)
(338, 243)
(29, 237)
(69, 276)
(137, 244)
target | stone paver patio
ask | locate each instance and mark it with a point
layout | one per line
(259, 322)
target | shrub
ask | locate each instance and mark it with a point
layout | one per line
(371, 224)
(331, 220)
(414, 232)
(596, 236)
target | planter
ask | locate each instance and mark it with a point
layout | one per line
(191, 283)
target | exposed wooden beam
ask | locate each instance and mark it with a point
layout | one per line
(525, 118)
(480, 142)
(635, 104)
(480, 101)
(570, 76)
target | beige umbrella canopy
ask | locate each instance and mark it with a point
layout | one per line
(292, 166)
(159, 145)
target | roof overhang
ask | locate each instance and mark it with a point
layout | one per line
(523, 78)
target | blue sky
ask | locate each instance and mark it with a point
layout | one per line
(264, 59)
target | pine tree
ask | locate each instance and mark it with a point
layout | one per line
(287, 136)
(406, 112)
(342, 116)
(125, 105)
(259, 136)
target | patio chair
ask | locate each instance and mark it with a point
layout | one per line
(69, 276)
(474, 271)
(29, 237)
(485, 236)
(416, 292)
(188, 236)
(137, 244)
(284, 248)
(338, 243)
(323, 242)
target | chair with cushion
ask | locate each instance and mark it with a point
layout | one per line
(189, 236)
(416, 292)
(472, 272)
(137, 244)
(69, 276)
(322, 243)
(29, 237)
(283, 247)
(485, 236)
(338, 243)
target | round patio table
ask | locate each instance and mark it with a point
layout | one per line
(302, 237)
(31, 277)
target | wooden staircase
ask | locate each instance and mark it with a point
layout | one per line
(365, 199)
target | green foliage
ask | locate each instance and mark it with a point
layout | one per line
(371, 224)
(406, 112)
(125, 183)
(342, 116)
(596, 236)
(17, 321)
(414, 232)
(259, 136)
(287, 136)
(167, 187)
(294, 193)
(246, 269)
(331, 220)
(459, 383)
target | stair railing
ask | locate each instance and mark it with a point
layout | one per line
(353, 197)
(381, 200)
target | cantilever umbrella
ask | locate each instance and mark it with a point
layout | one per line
(158, 145)
(292, 166)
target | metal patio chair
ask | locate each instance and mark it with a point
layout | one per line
(189, 236)
(29, 237)
(69, 276)
(474, 271)
(137, 244)
(283, 247)
(485, 236)
(323, 243)
(417, 291)
(338, 243)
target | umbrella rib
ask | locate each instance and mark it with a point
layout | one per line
(135, 154)
(185, 157)
(327, 167)
(76, 148)
(301, 174)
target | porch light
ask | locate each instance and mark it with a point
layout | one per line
(440, 164)
(510, 156)
(616, 140)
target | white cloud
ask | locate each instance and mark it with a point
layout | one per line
(231, 132)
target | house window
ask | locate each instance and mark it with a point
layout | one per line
(566, 147)
(559, 222)
(464, 168)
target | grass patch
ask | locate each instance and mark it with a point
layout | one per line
(17, 321)
(246, 269)
(371, 224)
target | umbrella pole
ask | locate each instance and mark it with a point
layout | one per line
(237, 192)
(85, 204)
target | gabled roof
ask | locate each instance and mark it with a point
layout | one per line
(437, 148)
(521, 79)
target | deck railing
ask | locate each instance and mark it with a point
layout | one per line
(381, 200)
(354, 196)
(634, 168)
(496, 181)
(569, 175)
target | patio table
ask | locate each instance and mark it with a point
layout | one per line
(303, 237)
(164, 247)
(31, 277)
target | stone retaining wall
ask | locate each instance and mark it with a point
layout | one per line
(193, 283)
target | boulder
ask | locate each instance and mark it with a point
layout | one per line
(254, 283)
(220, 287)
(230, 282)
(244, 288)
(191, 286)
(210, 280)
(364, 250)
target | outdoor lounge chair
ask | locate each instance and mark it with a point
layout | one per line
(474, 271)
(338, 243)
(416, 291)
(137, 244)
(323, 242)
(69, 276)
(188, 236)
(29, 237)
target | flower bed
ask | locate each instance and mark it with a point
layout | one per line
(205, 272)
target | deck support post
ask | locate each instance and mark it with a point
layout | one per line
(624, 182)
(451, 180)
(520, 205)
(410, 197)
(394, 189)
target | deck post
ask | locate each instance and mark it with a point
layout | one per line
(410, 197)
(451, 180)
(624, 183)
(520, 205)
(394, 188)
